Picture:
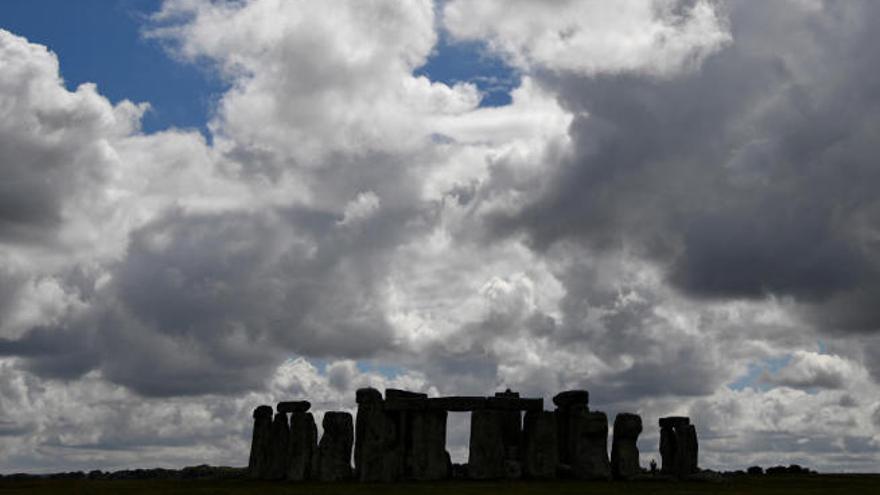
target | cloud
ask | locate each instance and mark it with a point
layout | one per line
(648, 220)
(659, 38)
(809, 370)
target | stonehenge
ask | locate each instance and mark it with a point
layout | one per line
(402, 437)
(624, 448)
(678, 446)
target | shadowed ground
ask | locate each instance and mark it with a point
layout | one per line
(824, 484)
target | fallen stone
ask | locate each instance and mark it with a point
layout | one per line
(301, 446)
(293, 406)
(540, 456)
(572, 398)
(486, 454)
(334, 449)
(258, 461)
(624, 447)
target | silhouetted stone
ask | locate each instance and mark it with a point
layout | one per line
(374, 452)
(674, 421)
(258, 461)
(540, 455)
(393, 393)
(486, 456)
(368, 395)
(280, 437)
(588, 445)
(334, 449)
(293, 406)
(426, 458)
(678, 446)
(624, 447)
(301, 446)
(572, 398)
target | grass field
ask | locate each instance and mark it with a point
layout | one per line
(816, 484)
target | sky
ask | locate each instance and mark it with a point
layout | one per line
(210, 205)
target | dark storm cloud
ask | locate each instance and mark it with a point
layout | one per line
(754, 175)
(210, 303)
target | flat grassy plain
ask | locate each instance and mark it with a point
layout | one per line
(801, 484)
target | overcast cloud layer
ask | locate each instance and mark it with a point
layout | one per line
(677, 212)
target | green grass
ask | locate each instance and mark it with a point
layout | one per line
(817, 484)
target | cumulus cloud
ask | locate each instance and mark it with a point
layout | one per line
(677, 193)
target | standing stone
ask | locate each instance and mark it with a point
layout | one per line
(258, 462)
(398, 463)
(373, 439)
(334, 450)
(279, 445)
(427, 453)
(541, 453)
(568, 403)
(302, 446)
(511, 435)
(486, 456)
(678, 446)
(624, 447)
(589, 445)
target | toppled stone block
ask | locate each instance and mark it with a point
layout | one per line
(334, 449)
(572, 398)
(261, 444)
(301, 446)
(293, 406)
(588, 445)
(624, 447)
(280, 437)
(540, 456)
(486, 455)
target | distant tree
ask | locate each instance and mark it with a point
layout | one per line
(653, 466)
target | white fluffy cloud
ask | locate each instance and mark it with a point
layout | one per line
(656, 37)
(352, 223)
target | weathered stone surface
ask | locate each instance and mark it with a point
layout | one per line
(486, 456)
(572, 398)
(301, 446)
(280, 437)
(367, 395)
(293, 406)
(673, 421)
(374, 450)
(334, 449)
(462, 404)
(393, 393)
(624, 447)
(427, 459)
(258, 462)
(540, 445)
(678, 446)
(588, 445)
(511, 434)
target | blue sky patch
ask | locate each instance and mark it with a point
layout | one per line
(453, 62)
(100, 41)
